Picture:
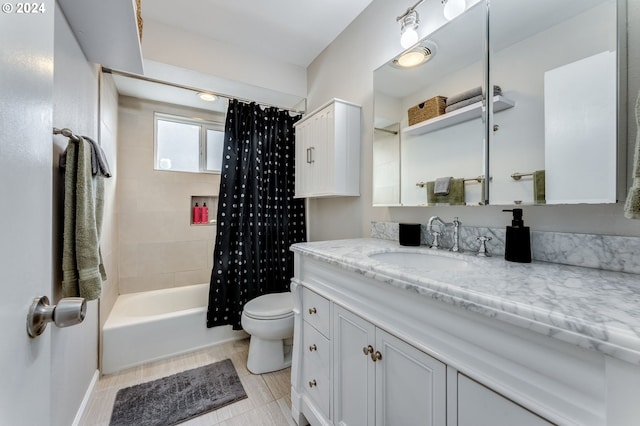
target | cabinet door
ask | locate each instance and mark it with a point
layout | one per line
(302, 162)
(354, 371)
(410, 385)
(480, 406)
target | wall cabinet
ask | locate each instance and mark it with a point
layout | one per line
(328, 151)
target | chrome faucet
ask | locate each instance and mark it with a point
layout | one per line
(436, 234)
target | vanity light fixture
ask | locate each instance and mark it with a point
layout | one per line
(453, 8)
(409, 22)
(207, 96)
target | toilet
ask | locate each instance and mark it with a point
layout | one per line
(269, 321)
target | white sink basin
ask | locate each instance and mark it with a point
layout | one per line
(422, 260)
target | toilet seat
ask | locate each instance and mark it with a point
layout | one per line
(270, 306)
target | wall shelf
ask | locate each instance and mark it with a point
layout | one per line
(461, 115)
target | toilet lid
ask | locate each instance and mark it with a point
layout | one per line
(270, 306)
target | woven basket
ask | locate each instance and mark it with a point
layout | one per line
(139, 17)
(428, 109)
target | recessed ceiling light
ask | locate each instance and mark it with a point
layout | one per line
(207, 96)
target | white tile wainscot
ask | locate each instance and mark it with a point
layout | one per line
(548, 343)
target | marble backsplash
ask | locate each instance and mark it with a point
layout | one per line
(612, 253)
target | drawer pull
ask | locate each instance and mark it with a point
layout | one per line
(376, 356)
(313, 348)
(312, 383)
(368, 350)
(312, 311)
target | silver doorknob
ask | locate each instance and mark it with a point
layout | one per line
(68, 311)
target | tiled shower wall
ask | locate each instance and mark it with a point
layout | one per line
(159, 248)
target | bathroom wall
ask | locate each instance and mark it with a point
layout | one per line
(158, 246)
(173, 46)
(345, 70)
(74, 350)
(109, 242)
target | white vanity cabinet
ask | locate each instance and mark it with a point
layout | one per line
(381, 380)
(481, 406)
(328, 151)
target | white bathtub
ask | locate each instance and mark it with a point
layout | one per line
(156, 324)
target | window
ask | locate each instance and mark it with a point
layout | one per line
(188, 145)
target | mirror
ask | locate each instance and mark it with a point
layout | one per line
(554, 115)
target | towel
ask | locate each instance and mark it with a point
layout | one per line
(99, 165)
(632, 205)
(82, 268)
(463, 103)
(476, 91)
(454, 198)
(539, 193)
(441, 186)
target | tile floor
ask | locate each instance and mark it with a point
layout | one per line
(268, 402)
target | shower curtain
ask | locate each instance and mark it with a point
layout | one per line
(258, 219)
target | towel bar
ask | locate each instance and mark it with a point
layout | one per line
(517, 176)
(66, 132)
(475, 179)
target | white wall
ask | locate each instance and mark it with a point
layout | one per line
(74, 350)
(170, 45)
(345, 70)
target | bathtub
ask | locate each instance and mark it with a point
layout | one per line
(152, 325)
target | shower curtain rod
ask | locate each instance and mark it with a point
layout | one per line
(194, 89)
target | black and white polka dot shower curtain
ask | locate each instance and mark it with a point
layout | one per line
(258, 219)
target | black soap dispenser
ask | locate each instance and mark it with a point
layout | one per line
(518, 242)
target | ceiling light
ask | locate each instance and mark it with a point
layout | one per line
(409, 29)
(209, 97)
(453, 8)
(416, 56)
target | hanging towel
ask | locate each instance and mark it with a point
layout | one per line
(454, 198)
(468, 94)
(442, 185)
(632, 205)
(539, 193)
(82, 268)
(99, 165)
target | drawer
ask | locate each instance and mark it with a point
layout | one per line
(316, 351)
(316, 311)
(316, 385)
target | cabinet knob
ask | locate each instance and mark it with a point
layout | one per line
(312, 311)
(376, 356)
(367, 350)
(313, 348)
(312, 383)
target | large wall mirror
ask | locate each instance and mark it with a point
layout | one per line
(554, 75)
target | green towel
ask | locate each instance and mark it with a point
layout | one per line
(539, 194)
(82, 268)
(454, 198)
(632, 205)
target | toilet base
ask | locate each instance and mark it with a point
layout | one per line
(266, 356)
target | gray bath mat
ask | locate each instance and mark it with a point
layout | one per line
(174, 399)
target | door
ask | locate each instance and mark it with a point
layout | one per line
(480, 406)
(410, 385)
(26, 85)
(354, 371)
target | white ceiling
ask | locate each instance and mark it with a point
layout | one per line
(292, 31)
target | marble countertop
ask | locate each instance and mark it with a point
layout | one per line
(591, 308)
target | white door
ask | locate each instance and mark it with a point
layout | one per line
(354, 370)
(26, 86)
(480, 406)
(411, 386)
